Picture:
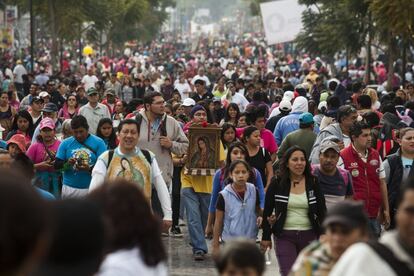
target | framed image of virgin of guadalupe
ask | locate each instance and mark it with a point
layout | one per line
(204, 150)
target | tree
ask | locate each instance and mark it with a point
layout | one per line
(332, 26)
(395, 20)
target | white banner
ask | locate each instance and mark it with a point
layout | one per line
(281, 20)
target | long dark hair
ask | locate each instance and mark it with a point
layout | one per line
(112, 137)
(224, 128)
(227, 116)
(26, 115)
(284, 173)
(130, 220)
(226, 169)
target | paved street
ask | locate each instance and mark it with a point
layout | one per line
(181, 263)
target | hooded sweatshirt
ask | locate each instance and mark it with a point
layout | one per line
(290, 122)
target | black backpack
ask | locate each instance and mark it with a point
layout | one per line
(399, 267)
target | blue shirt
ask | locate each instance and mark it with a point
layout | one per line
(71, 148)
(44, 194)
(285, 126)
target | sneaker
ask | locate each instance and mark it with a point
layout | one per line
(181, 222)
(176, 232)
(199, 256)
(165, 234)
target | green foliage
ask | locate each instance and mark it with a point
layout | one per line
(332, 26)
(121, 20)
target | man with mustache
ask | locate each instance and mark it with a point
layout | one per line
(336, 183)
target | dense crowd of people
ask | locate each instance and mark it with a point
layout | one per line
(311, 162)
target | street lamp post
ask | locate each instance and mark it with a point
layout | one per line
(32, 36)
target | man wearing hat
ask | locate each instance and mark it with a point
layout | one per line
(94, 111)
(27, 100)
(45, 96)
(36, 106)
(110, 100)
(345, 224)
(335, 182)
(188, 104)
(49, 110)
(304, 137)
(281, 111)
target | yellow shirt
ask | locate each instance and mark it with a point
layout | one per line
(200, 184)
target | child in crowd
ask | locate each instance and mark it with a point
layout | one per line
(238, 212)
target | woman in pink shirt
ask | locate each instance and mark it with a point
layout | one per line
(43, 153)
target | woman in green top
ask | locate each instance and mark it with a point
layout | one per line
(298, 205)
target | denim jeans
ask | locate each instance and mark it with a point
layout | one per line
(196, 206)
(374, 227)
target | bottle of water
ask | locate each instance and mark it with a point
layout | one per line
(267, 257)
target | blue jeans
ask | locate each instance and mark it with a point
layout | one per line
(196, 206)
(374, 227)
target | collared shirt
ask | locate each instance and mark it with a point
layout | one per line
(94, 115)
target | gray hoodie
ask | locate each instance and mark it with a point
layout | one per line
(331, 130)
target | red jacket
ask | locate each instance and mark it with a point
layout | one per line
(365, 178)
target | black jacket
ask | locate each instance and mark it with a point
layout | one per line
(394, 182)
(277, 197)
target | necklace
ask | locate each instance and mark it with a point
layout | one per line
(297, 182)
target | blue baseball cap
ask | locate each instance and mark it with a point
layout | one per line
(306, 118)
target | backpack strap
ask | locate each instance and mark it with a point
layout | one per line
(138, 118)
(110, 156)
(344, 174)
(399, 267)
(147, 155)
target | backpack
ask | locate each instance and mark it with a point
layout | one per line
(399, 267)
(145, 152)
(163, 125)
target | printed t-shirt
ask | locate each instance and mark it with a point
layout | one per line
(71, 148)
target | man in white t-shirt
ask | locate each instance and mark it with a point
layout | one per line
(201, 76)
(183, 87)
(18, 72)
(89, 80)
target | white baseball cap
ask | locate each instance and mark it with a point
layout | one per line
(189, 102)
(285, 105)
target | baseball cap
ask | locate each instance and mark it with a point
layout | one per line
(43, 94)
(189, 102)
(285, 105)
(322, 104)
(19, 140)
(109, 91)
(50, 107)
(328, 144)
(47, 123)
(92, 91)
(350, 214)
(288, 95)
(306, 118)
(36, 99)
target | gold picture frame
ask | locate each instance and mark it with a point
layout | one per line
(203, 155)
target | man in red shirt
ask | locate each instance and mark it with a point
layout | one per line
(368, 176)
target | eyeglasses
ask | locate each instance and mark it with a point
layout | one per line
(71, 100)
(159, 103)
